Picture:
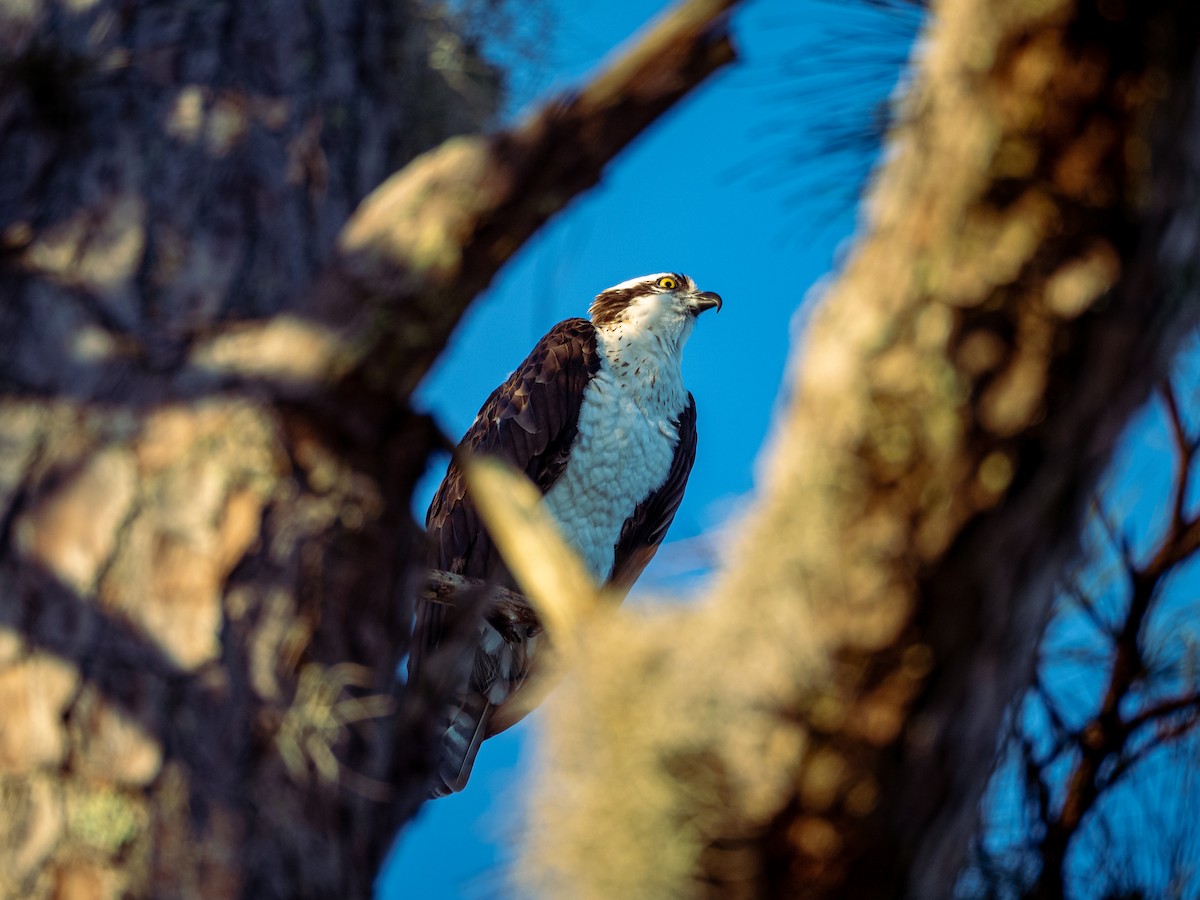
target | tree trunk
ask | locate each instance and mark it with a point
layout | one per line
(174, 674)
(206, 458)
(824, 722)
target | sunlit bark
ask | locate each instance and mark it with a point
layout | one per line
(823, 723)
(207, 338)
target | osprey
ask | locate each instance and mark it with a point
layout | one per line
(598, 418)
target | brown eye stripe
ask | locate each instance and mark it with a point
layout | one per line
(609, 305)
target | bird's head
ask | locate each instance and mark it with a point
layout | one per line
(665, 304)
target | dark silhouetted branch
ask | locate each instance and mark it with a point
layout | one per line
(1101, 745)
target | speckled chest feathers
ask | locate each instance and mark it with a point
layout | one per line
(628, 431)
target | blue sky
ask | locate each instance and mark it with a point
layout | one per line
(716, 190)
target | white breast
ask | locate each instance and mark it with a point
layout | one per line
(623, 452)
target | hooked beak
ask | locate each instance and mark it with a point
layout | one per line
(703, 300)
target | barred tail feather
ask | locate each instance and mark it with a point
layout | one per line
(464, 728)
(500, 661)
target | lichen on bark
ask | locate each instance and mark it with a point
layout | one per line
(821, 723)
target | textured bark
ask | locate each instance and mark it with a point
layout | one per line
(823, 724)
(429, 239)
(206, 558)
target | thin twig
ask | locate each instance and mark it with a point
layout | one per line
(1184, 449)
(1186, 703)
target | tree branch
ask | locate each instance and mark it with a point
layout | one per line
(1168, 731)
(431, 237)
(1185, 450)
(446, 587)
(236, 497)
(1189, 703)
(821, 724)
(1105, 736)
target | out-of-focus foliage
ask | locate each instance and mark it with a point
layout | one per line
(834, 98)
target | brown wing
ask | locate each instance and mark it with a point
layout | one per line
(639, 540)
(646, 528)
(530, 421)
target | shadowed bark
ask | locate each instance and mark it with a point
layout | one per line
(823, 724)
(206, 460)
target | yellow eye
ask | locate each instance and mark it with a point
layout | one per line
(668, 283)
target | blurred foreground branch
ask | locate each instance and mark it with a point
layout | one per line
(431, 237)
(224, 267)
(822, 725)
